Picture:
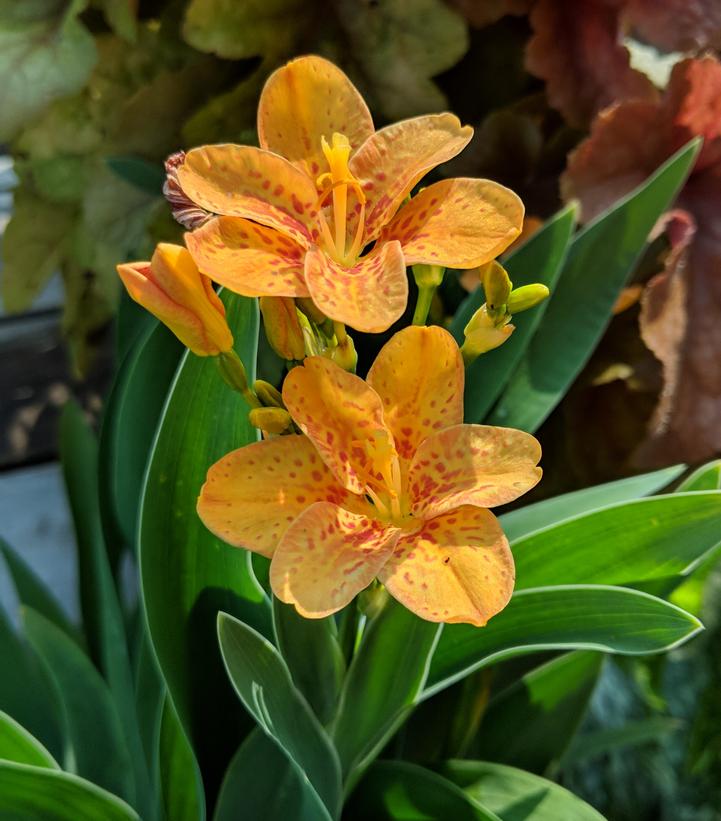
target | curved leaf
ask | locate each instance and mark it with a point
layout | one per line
(568, 617)
(180, 781)
(16, 744)
(202, 420)
(264, 685)
(707, 477)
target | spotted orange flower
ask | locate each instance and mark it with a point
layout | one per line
(316, 210)
(387, 483)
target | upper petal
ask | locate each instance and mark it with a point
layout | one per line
(243, 181)
(394, 159)
(327, 556)
(305, 100)
(458, 223)
(419, 376)
(341, 415)
(472, 465)
(252, 494)
(369, 296)
(458, 568)
(248, 258)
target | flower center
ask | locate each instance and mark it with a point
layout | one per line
(387, 493)
(340, 179)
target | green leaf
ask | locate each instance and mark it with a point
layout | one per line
(525, 520)
(263, 684)
(400, 791)
(97, 745)
(262, 783)
(32, 592)
(26, 693)
(146, 176)
(102, 616)
(16, 744)
(32, 246)
(516, 795)
(180, 781)
(530, 723)
(384, 681)
(51, 795)
(622, 544)
(707, 477)
(587, 746)
(567, 617)
(540, 259)
(40, 60)
(600, 258)
(202, 421)
(121, 17)
(314, 658)
(129, 424)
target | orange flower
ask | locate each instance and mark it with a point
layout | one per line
(171, 287)
(298, 214)
(386, 483)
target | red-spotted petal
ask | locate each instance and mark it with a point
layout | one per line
(327, 556)
(252, 494)
(394, 159)
(305, 100)
(472, 465)
(343, 417)
(458, 223)
(369, 296)
(243, 181)
(248, 258)
(458, 568)
(419, 376)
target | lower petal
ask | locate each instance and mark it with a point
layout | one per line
(458, 223)
(253, 494)
(248, 258)
(458, 568)
(477, 465)
(370, 296)
(327, 556)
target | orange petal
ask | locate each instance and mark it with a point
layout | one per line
(394, 159)
(459, 223)
(305, 100)
(458, 568)
(242, 181)
(342, 416)
(252, 494)
(418, 375)
(248, 258)
(327, 556)
(472, 465)
(173, 290)
(370, 296)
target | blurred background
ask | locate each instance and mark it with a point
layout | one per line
(570, 99)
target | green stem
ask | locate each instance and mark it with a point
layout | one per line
(233, 372)
(348, 630)
(423, 304)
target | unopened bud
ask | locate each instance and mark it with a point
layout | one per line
(428, 276)
(496, 286)
(270, 420)
(269, 395)
(282, 326)
(525, 297)
(310, 309)
(344, 355)
(484, 333)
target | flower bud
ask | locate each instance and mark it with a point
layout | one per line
(268, 395)
(525, 297)
(270, 420)
(310, 309)
(282, 326)
(344, 354)
(496, 286)
(484, 333)
(172, 288)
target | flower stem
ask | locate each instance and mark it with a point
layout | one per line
(423, 304)
(233, 373)
(348, 630)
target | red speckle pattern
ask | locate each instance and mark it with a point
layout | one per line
(327, 556)
(248, 258)
(457, 568)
